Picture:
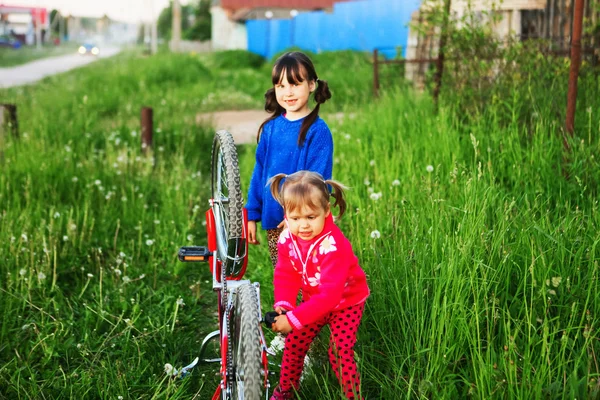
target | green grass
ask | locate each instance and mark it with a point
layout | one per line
(12, 57)
(483, 279)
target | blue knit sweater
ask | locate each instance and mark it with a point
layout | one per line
(278, 152)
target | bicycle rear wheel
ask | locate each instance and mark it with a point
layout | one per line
(227, 203)
(246, 362)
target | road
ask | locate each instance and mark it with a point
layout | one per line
(39, 69)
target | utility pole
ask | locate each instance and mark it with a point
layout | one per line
(153, 29)
(176, 28)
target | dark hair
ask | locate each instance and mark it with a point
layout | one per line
(298, 68)
(298, 189)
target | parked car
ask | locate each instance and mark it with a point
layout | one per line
(89, 48)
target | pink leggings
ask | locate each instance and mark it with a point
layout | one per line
(343, 325)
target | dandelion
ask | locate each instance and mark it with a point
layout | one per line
(156, 221)
(126, 279)
(74, 179)
(118, 272)
(68, 149)
(375, 196)
(25, 327)
(97, 182)
(72, 227)
(375, 234)
(429, 168)
(133, 133)
(158, 130)
(347, 136)
(190, 238)
(120, 397)
(65, 238)
(142, 276)
(79, 345)
(124, 199)
(56, 215)
(90, 275)
(370, 190)
(372, 163)
(121, 254)
(180, 302)
(395, 182)
(22, 271)
(367, 182)
(24, 237)
(13, 239)
(41, 276)
(161, 148)
(149, 242)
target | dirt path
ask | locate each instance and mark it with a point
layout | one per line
(242, 125)
(36, 70)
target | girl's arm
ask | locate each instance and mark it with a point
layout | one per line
(255, 192)
(320, 152)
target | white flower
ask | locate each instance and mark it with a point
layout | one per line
(24, 237)
(97, 182)
(429, 168)
(347, 136)
(367, 181)
(396, 182)
(65, 238)
(180, 302)
(68, 149)
(121, 254)
(56, 215)
(118, 272)
(149, 242)
(190, 238)
(22, 271)
(169, 369)
(133, 133)
(375, 196)
(142, 276)
(120, 397)
(90, 275)
(126, 279)
(327, 245)
(372, 163)
(375, 234)
(156, 221)
(316, 280)
(41, 276)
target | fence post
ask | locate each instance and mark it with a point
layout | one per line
(574, 69)
(441, 54)
(147, 129)
(8, 119)
(375, 73)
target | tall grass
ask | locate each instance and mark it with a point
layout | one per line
(479, 235)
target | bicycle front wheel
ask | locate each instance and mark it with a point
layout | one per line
(246, 362)
(227, 203)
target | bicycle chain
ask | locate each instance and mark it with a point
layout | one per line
(227, 320)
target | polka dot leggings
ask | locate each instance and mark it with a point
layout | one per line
(343, 325)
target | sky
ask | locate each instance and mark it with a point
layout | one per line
(122, 10)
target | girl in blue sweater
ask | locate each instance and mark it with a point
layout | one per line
(294, 138)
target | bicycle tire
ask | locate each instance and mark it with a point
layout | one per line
(248, 374)
(227, 202)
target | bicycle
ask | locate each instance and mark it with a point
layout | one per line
(243, 350)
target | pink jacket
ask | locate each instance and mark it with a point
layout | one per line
(329, 276)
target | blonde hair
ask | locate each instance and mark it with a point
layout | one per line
(298, 189)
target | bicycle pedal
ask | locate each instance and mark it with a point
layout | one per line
(193, 253)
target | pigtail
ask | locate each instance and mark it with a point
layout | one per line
(271, 106)
(322, 94)
(338, 195)
(275, 183)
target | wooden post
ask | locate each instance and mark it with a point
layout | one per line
(574, 69)
(441, 54)
(375, 73)
(8, 119)
(147, 129)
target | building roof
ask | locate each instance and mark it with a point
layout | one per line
(302, 4)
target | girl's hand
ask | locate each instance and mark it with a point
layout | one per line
(279, 310)
(282, 325)
(252, 233)
(281, 224)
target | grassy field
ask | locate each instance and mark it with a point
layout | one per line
(12, 57)
(478, 233)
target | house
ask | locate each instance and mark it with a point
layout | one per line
(229, 17)
(23, 23)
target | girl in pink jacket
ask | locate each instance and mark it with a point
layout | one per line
(316, 258)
